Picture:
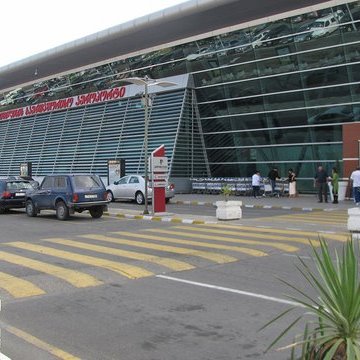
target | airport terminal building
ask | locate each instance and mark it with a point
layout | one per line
(253, 85)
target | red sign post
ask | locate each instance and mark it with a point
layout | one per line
(159, 171)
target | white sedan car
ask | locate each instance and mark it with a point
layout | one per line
(132, 187)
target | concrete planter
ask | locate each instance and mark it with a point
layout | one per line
(228, 210)
(353, 223)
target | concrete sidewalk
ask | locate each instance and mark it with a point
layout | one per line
(302, 202)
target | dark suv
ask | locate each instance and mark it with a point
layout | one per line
(12, 193)
(67, 194)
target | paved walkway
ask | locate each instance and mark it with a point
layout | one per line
(302, 203)
(307, 202)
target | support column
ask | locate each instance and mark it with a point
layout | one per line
(351, 138)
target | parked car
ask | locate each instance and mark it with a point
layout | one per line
(259, 39)
(303, 33)
(13, 193)
(67, 194)
(324, 26)
(279, 33)
(132, 187)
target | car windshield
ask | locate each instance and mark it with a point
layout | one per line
(86, 182)
(17, 185)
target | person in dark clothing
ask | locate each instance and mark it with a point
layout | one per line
(273, 176)
(320, 180)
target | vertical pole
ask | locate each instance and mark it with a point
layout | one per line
(146, 108)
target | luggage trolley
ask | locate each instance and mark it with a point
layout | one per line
(282, 187)
(198, 186)
(266, 187)
(240, 187)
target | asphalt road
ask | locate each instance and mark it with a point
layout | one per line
(143, 290)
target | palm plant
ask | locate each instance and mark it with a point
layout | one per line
(334, 332)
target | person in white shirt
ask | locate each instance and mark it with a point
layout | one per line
(355, 180)
(256, 180)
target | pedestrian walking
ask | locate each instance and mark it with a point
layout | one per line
(355, 181)
(256, 181)
(292, 183)
(273, 176)
(335, 184)
(320, 181)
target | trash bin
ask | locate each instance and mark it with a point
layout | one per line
(342, 190)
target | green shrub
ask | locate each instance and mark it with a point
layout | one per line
(226, 191)
(334, 330)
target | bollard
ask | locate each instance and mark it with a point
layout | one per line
(353, 223)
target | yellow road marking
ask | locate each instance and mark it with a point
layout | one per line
(320, 218)
(60, 354)
(218, 258)
(18, 287)
(339, 237)
(167, 262)
(75, 278)
(254, 234)
(283, 247)
(130, 271)
(315, 221)
(295, 218)
(247, 251)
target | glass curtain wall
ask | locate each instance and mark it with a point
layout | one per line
(281, 95)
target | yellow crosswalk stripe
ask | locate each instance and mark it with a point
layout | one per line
(283, 247)
(166, 262)
(130, 271)
(217, 258)
(18, 287)
(311, 217)
(58, 353)
(308, 234)
(303, 219)
(244, 250)
(75, 278)
(253, 234)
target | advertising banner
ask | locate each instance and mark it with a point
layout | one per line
(116, 170)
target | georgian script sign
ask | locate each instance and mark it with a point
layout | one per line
(67, 103)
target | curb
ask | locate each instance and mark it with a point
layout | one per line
(176, 220)
(278, 207)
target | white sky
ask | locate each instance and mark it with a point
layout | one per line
(29, 27)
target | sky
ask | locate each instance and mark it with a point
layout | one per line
(30, 27)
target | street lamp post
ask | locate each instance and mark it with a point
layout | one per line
(146, 82)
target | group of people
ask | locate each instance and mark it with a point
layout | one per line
(273, 176)
(321, 180)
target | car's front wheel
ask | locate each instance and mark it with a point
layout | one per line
(62, 211)
(30, 209)
(139, 198)
(97, 212)
(110, 196)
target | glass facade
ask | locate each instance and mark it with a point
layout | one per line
(275, 93)
(83, 139)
